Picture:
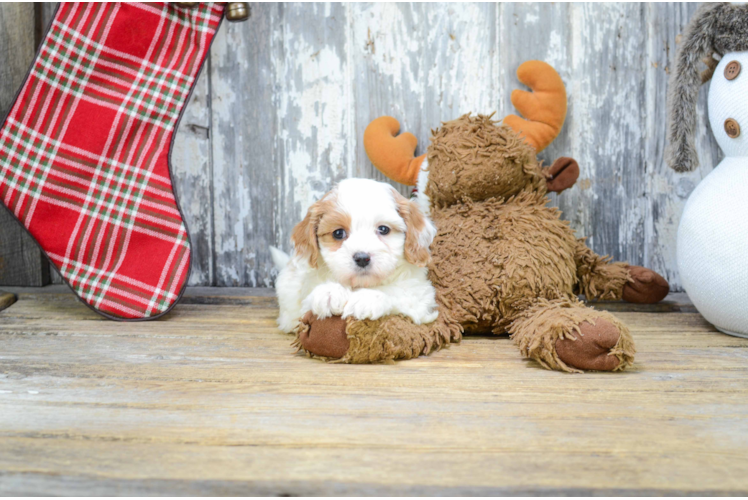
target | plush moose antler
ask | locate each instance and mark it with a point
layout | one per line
(392, 154)
(544, 107)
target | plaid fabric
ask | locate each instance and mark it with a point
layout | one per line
(84, 150)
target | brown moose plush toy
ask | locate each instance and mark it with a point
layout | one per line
(502, 260)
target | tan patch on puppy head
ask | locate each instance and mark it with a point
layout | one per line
(304, 237)
(333, 218)
(305, 234)
(415, 224)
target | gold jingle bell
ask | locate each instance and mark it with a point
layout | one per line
(237, 11)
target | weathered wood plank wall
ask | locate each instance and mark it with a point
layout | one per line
(21, 261)
(280, 110)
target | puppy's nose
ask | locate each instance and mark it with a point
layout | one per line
(362, 259)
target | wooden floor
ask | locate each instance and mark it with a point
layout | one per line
(213, 400)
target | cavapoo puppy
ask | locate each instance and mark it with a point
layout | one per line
(361, 251)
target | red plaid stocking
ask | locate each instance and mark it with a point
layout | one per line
(84, 151)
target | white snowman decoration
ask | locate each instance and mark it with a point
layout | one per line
(713, 233)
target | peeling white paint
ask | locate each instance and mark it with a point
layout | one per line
(315, 131)
(331, 68)
(192, 178)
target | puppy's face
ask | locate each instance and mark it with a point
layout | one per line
(363, 231)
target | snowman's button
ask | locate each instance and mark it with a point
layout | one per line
(732, 70)
(732, 127)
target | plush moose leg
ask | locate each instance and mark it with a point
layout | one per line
(601, 279)
(369, 341)
(563, 334)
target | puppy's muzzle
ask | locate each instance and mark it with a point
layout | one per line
(361, 259)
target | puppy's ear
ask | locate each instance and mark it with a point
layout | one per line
(419, 231)
(304, 236)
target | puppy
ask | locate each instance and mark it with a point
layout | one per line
(361, 251)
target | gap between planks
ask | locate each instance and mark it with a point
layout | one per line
(674, 302)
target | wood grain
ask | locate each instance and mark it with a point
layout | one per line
(608, 64)
(423, 64)
(21, 261)
(667, 191)
(328, 70)
(191, 166)
(6, 299)
(212, 400)
(278, 116)
(314, 108)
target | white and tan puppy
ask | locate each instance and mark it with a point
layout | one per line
(361, 251)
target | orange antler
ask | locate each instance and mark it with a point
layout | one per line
(392, 154)
(544, 107)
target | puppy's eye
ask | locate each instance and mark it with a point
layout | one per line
(339, 234)
(383, 230)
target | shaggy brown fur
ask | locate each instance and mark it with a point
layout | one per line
(599, 279)
(537, 329)
(372, 341)
(503, 261)
(472, 158)
(492, 259)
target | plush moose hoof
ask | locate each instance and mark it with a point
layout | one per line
(325, 337)
(648, 287)
(382, 340)
(591, 350)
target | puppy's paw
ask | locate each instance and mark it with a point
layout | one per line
(327, 300)
(430, 317)
(367, 304)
